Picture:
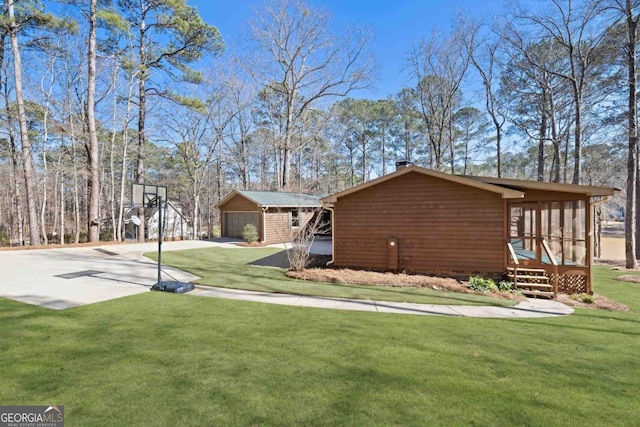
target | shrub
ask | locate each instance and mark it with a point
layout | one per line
(481, 284)
(250, 233)
(505, 286)
(586, 298)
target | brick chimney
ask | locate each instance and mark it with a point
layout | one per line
(403, 164)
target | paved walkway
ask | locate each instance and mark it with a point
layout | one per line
(529, 308)
(70, 277)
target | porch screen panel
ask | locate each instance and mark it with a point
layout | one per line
(575, 236)
(522, 229)
(551, 217)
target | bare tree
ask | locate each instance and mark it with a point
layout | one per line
(297, 58)
(93, 222)
(299, 250)
(438, 66)
(631, 19)
(579, 32)
(25, 142)
(483, 54)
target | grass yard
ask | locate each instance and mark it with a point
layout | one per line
(180, 360)
(244, 269)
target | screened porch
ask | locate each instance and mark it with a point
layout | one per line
(552, 235)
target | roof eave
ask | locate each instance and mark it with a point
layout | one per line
(505, 193)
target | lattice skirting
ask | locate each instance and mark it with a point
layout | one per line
(572, 283)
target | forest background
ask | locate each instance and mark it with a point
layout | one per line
(96, 95)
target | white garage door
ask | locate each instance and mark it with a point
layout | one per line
(235, 222)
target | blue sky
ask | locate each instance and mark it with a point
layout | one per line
(396, 24)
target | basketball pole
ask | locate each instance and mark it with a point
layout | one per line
(160, 241)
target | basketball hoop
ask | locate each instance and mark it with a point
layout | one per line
(147, 196)
(151, 196)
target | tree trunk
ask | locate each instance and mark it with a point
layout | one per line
(142, 111)
(17, 202)
(542, 137)
(93, 214)
(577, 149)
(632, 160)
(27, 155)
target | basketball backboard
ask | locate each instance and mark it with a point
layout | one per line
(145, 195)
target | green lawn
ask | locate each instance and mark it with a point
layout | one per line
(236, 268)
(180, 360)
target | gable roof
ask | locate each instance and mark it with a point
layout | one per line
(506, 187)
(506, 193)
(275, 199)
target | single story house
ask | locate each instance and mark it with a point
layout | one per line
(538, 234)
(276, 215)
(176, 226)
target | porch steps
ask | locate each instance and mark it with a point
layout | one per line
(531, 282)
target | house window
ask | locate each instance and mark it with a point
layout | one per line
(295, 219)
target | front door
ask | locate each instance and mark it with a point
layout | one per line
(523, 232)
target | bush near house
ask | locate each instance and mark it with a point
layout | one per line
(250, 233)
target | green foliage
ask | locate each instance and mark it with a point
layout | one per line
(505, 286)
(194, 104)
(112, 20)
(583, 297)
(250, 233)
(481, 284)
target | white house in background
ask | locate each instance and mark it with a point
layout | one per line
(174, 224)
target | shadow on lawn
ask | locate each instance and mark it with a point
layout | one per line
(582, 327)
(279, 259)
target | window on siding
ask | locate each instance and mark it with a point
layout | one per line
(294, 217)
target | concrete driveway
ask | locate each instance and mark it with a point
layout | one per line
(69, 277)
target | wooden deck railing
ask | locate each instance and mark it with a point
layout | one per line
(514, 257)
(554, 263)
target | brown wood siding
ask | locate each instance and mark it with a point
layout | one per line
(441, 226)
(277, 225)
(238, 203)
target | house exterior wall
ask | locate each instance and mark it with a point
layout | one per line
(239, 203)
(440, 227)
(278, 229)
(175, 226)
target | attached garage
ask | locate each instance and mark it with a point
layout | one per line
(235, 222)
(277, 215)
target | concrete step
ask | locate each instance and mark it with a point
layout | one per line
(536, 293)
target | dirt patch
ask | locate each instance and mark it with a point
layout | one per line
(628, 278)
(400, 280)
(599, 302)
(251, 245)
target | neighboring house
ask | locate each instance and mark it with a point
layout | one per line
(420, 220)
(277, 216)
(175, 226)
